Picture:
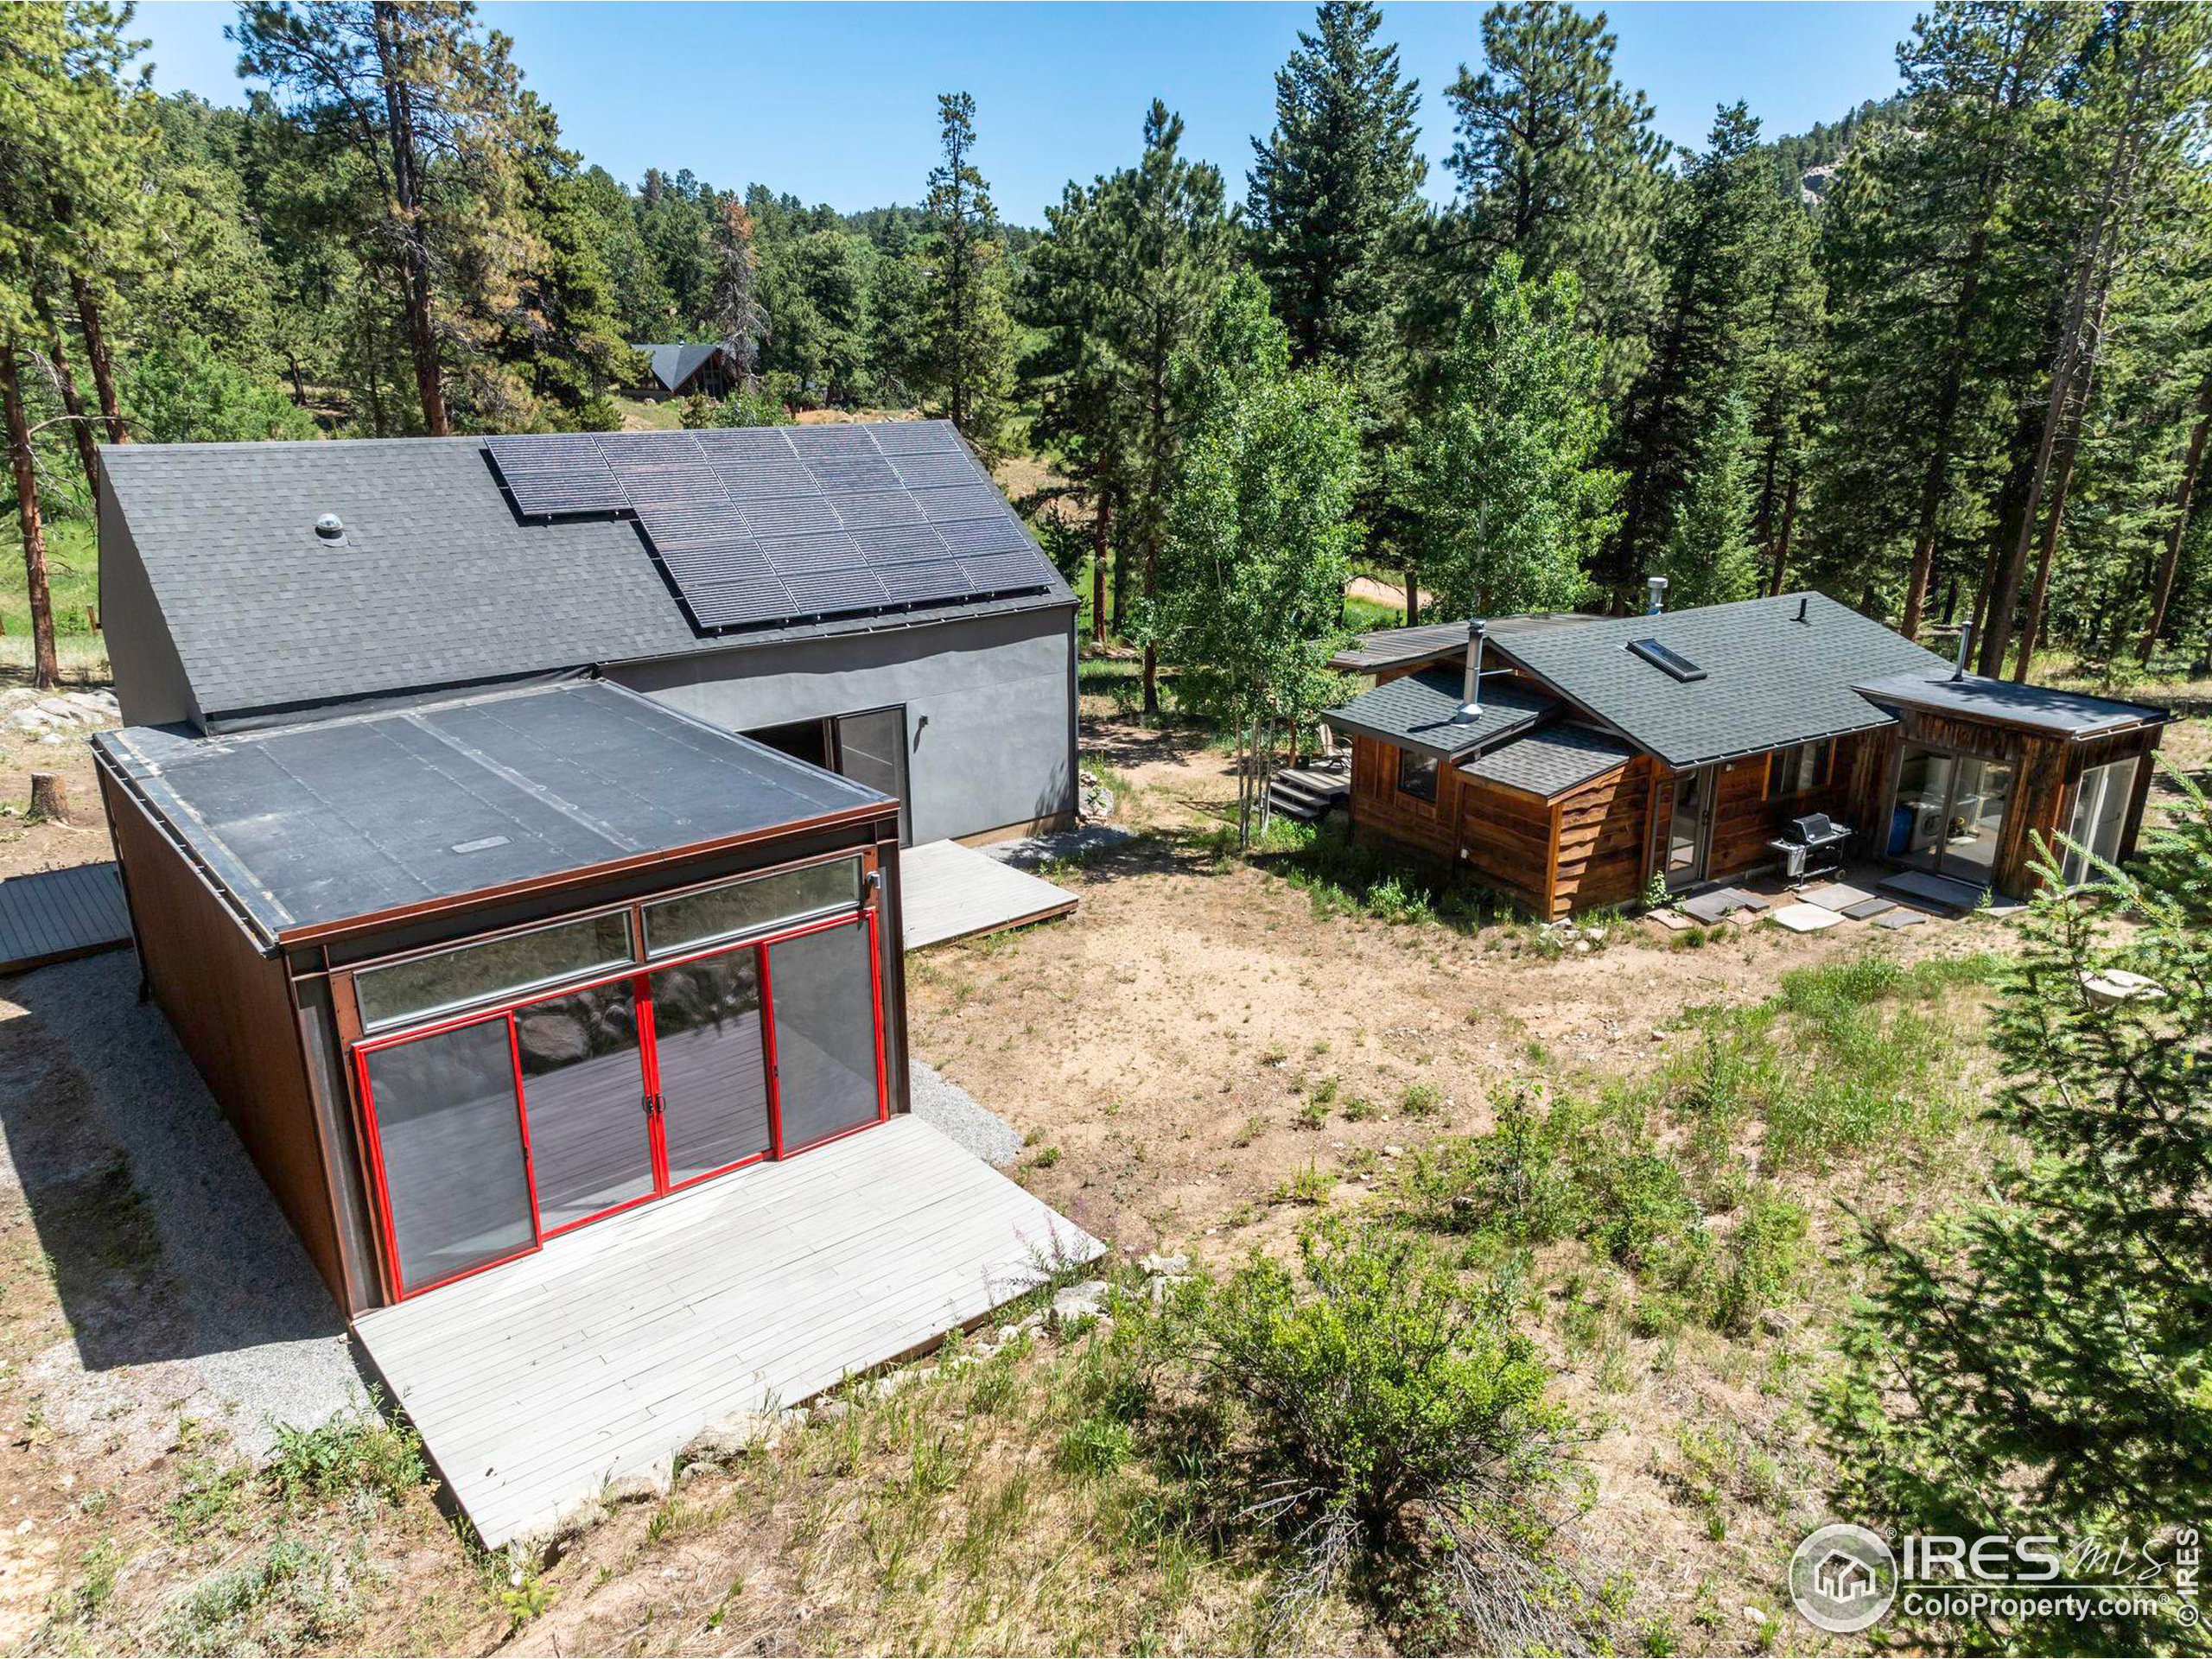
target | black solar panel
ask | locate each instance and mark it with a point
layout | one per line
(553, 474)
(761, 524)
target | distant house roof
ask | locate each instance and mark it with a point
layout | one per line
(1388, 647)
(1421, 711)
(1762, 673)
(1550, 761)
(311, 827)
(2039, 708)
(674, 364)
(440, 582)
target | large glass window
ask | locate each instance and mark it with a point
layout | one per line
(2101, 802)
(451, 1144)
(1979, 798)
(1799, 768)
(714, 1078)
(750, 905)
(823, 993)
(496, 968)
(583, 1088)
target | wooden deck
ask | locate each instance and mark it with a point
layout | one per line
(951, 892)
(604, 1353)
(52, 915)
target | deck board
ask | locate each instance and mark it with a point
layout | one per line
(950, 892)
(534, 1383)
(53, 915)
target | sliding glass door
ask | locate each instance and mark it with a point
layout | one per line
(1948, 816)
(494, 1131)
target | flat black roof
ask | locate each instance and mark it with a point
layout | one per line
(315, 826)
(2040, 708)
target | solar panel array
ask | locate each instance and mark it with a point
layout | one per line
(757, 526)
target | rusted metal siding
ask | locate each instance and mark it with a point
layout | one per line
(232, 1010)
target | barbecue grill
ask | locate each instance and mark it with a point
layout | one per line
(1808, 839)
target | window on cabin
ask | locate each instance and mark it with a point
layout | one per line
(1799, 768)
(1417, 775)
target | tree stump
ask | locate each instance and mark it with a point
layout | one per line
(49, 800)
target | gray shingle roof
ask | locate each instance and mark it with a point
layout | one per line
(1770, 679)
(438, 584)
(2042, 707)
(1386, 647)
(1551, 761)
(673, 364)
(316, 824)
(1419, 711)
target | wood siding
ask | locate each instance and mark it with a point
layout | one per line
(2047, 768)
(1511, 840)
(232, 1010)
(1603, 840)
(1383, 814)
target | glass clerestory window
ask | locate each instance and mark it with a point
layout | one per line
(751, 906)
(450, 980)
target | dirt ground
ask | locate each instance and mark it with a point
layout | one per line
(1163, 1037)
(28, 844)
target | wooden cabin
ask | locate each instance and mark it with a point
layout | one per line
(1597, 754)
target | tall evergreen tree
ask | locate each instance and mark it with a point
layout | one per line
(735, 313)
(1717, 228)
(1557, 163)
(1501, 481)
(425, 99)
(1335, 188)
(966, 347)
(1707, 557)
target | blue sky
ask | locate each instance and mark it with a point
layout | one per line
(836, 103)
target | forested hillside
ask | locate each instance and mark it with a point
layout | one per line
(1948, 357)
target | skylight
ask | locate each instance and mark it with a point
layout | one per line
(1672, 662)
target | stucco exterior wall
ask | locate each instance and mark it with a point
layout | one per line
(990, 707)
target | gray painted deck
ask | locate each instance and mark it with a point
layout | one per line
(534, 1383)
(949, 892)
(52, 915)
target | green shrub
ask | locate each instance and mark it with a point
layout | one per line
(1096, 1447)
(355, 1454)
(1396, 1429)
(1421, 1100)
(1517, 1180)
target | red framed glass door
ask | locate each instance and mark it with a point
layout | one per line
(494, 1131)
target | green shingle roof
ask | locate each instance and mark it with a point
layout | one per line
(1776, 672)
(1551, 761)
(1421, 711)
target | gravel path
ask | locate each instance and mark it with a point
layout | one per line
(264, 1338)
(953, 1109)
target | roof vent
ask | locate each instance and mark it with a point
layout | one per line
(1471, 705)
(1657, 587)
(330, 530)
(1802, 602)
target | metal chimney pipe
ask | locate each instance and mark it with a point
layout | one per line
(1658, 587)
(1966, 639)
(1470, 706)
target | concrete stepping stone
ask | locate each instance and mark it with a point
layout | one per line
(1901, 918)
(1838, 896)
(1867, 909)
(1806, 919)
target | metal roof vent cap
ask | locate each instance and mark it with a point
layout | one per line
(330, 530)
(1658, 589)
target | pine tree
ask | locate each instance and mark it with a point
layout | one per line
(966, 349)
(2037, 1365)
(1782, 384)
(424, 99)
(1714, 242)
(1502, 483)
(1707, 558)
(1176, 235)
(1335, 188)
(735, 313)
(1557, 163)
